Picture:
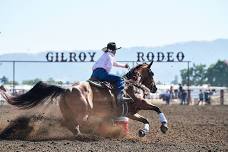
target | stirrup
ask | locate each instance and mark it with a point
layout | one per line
(121, 99)
(124, 109)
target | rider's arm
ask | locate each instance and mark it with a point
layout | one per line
(111, 60)
(117, 64)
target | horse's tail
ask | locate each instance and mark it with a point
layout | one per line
(37, 95)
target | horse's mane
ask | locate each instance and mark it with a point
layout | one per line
(130, 73)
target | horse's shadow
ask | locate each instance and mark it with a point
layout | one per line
(17, 129)
(20, 129)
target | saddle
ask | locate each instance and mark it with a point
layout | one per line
(111, 88)
(102, 84)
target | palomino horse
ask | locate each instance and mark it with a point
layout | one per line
(83, 101)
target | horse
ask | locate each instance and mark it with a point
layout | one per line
(83, 101)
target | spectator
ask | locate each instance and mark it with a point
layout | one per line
(180, 91)
(176, 93)
(207, 97)
(183, 97)
(171, 93)
(165, 97)
(200, 98)
(181, 94)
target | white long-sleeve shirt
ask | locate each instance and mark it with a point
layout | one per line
(107, 61)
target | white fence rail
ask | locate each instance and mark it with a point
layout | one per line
(216, 98)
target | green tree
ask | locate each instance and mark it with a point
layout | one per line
(199, 74)
(31, 82)
(67, 82)
(51, 81)
(196, 75)
(4, 80)
(175, 81)
(185, 75)
(59, 82)
(217, 74)
(11, 82)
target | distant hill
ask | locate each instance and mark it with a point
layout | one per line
(198, 52)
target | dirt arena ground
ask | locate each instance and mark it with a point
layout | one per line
(191, 128)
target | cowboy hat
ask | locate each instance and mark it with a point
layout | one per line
(111, 46)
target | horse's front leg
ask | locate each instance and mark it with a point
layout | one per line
(138, 117)
(145, 105)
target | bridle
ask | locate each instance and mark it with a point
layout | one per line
(133, 74)
(133, 78)
(151, 74)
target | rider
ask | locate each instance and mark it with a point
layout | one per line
(104, 65)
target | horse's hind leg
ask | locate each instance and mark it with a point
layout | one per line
(77, 107)
(69, 121)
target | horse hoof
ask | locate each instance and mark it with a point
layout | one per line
(142, 133)
(164, 128)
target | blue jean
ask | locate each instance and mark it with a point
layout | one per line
(102, 75)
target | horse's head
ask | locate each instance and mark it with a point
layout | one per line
(143, 74)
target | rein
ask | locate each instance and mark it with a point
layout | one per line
(132, 79)
(138, 85)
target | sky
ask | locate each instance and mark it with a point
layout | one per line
(40, 25)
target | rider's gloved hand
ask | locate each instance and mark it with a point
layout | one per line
(126, 66)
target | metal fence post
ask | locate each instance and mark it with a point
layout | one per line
(14, 78)
(222, 97)
(189, 98)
